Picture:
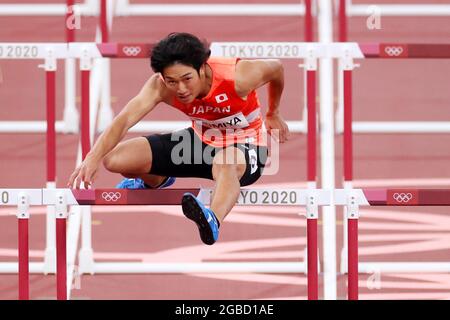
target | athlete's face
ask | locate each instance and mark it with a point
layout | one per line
(184, 81)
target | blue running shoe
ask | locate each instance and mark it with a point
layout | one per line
(137, 183)
(203, 217)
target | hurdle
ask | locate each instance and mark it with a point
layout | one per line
(106, 10)
(115, 50)
(311, 199)
(438, 125)
(109, 10)
(70, 121)
(353, 199)
(346, 67)
(346, 8)
(86, 52)
(62, 198)
(346, 53)
(89, 51)
(391, 51)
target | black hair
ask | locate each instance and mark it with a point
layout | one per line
(179, 47)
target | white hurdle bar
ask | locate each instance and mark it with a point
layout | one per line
(399, 10)
(352, 199)
(89, 50)
(124, 8)
(281, 50)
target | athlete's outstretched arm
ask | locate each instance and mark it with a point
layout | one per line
(144, 102)
(252, 74)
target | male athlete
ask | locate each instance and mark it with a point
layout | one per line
(225, 143)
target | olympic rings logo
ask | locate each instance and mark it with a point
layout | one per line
(393, 51)
(111, 196)
(402, 197)
(131, 51)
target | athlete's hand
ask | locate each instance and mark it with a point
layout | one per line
(277, 127)
(85, 173)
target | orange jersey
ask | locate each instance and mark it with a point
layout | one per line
(222, 118)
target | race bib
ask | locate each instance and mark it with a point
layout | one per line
(235, 121)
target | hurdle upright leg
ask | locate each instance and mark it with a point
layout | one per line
(312, 210)
(311, 67)
(61, 250)
(308, 21)
(23, 217)
(346, 67)
(352, 220)
(50, 74)
(342, 21)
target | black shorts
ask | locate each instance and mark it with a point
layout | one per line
(183, 154)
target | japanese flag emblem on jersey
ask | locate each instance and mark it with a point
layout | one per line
(221, 98)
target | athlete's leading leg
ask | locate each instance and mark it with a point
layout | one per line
(228, 167)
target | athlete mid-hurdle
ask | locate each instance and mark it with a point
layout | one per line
(225, 143)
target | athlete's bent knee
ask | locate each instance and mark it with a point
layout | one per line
(110, 162)
(228, 169)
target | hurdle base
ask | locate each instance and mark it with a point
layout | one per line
(86, 261)
(344, 261)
